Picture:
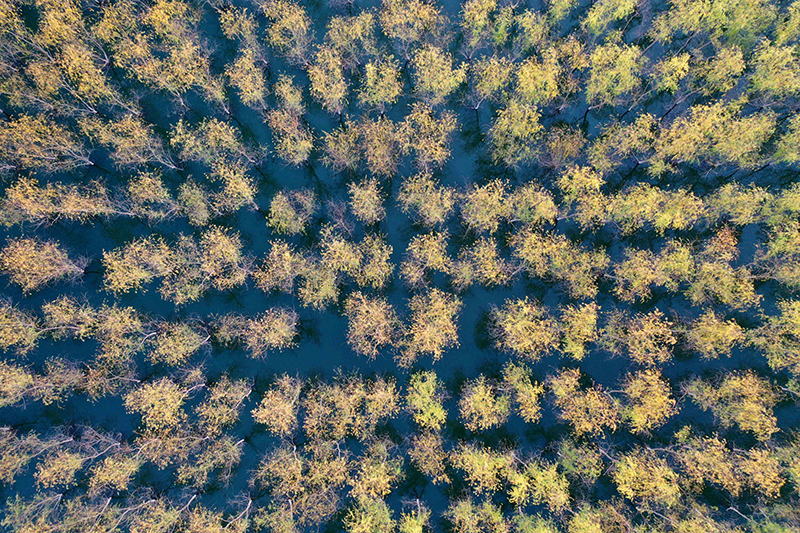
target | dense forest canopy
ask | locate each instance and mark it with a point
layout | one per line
(400, 266)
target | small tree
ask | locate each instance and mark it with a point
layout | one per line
(433, 328)
(372, 324)
(649, 400)
(422, 197)
(275, 329)
(435, 78)
(739, 398)
(515, 132)
(482, 405)
(366, 201)
(32, 263)
(644, 477)
(590, 411)
(524, 328)
(290, 212)
(424, 399)
(382, 86)
(279, 406)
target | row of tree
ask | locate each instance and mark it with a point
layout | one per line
(335, 448)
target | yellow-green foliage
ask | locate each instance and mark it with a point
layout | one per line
(482, 405)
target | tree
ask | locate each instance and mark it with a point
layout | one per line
(514, 133)
(279, 269)
(467, 516)
(174, 343)
(590, 411)
(379, 470)
(18, 328)
(353, 38)
(425, 253)
(554, 256)
(615, 72)
(292, 137)
(39, 143)
(382, 143)
(482, 405)
(524, 391)
(707, 459)
(641, 475)
(604, 13)
(424, 399)
(483, 207)
(483, 467)
(645, 338)
(422, 197)
(722, 71)
(376, 267)
(290, 29)
(27, 201)
(578, 328)
(779, 338)
(435, 78)
(524, 328)
(341, 148)
(136, 264)
(290, 212)
(433, 328)
(132, 141)
(427, 136)
(538, 81)
(408, 22)
(275, 329)
(221, 408)
(369, 515)
(160, 404)
(581, 188)
(777, 70)
(538, 482)
(247, 76)
(488, 79)
(373, 324)
(428, 455)
(328, 84)
(381, 86)
(279, 406)
(716, 134)
(532, 204)
(712, 336)
(150, 199)
(366, 201)
(32, 263)
(738, 398)
(649, 401)
(580, 461)
(481, 263)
